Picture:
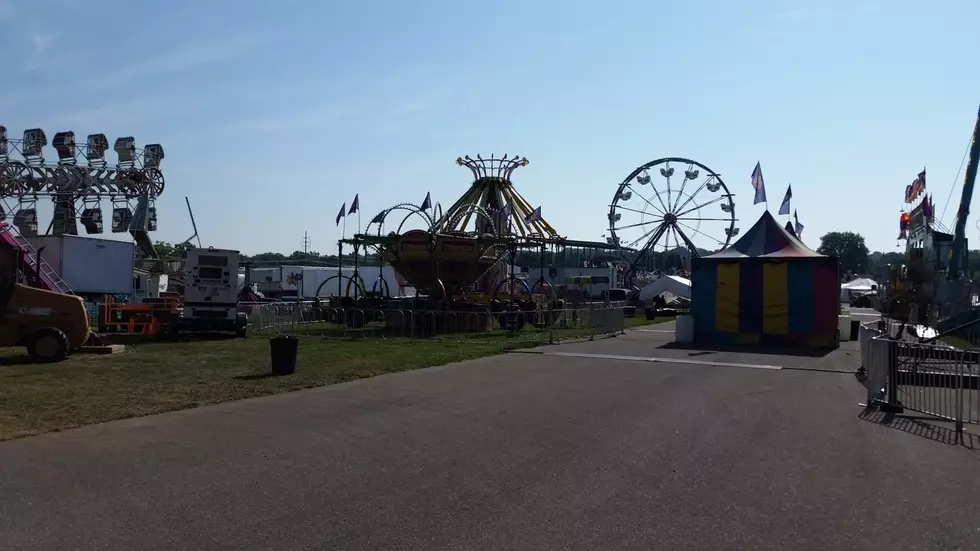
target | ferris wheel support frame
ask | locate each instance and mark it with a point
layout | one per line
(670, 218)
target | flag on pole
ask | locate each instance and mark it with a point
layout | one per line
(379, 218)
(797, 226)
(356, 205)
(534, 216)
(784, 207)
(758, 184)
(507, 211)
(427, 203)
(928, 208)
(505, 216)
(916, 188)
(343, 209)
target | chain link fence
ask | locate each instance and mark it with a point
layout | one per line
(538, 327)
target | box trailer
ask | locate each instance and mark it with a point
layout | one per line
(325, 279)
(89, 265)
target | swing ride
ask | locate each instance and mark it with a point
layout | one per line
(463, 258)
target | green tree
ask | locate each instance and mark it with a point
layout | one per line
(878, 262)
(164, 249)
(848, 247)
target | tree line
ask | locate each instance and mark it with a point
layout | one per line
(849, 247)
(851, 250)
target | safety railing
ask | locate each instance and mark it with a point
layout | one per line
(539, 326)
(933, 379)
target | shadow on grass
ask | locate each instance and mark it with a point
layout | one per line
(927, 427)
(137, 339)
(255, 376)
(21, 359)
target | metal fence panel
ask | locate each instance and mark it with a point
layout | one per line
(934, 379)
(540, 326)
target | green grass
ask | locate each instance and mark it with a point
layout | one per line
(157, 377)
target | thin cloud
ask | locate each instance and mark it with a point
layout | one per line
(797, 14)
(379, 113)
(41, 42)
(183, 58)
(310, 117)
(805, 13)
(112, 118)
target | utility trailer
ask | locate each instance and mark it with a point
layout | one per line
(90, 266)
(210, 302)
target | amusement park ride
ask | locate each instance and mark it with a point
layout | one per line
(933, 288)
(666, 217)
(458, 262)
(78, 182)
(463, 260)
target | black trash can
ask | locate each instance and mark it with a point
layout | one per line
(651, 313)
(855, 328)
(283, 349)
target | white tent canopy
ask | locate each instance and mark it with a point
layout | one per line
(861, 284)
(674, 285)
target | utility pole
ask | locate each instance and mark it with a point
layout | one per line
(306, 243)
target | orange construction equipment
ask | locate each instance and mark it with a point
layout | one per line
(147, 318)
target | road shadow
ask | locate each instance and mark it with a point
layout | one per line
(703, 349)
(926, 427)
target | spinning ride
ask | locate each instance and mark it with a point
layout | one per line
(457, 261)
(653, 216)
(78, 182)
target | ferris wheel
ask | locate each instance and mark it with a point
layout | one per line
(659, 213)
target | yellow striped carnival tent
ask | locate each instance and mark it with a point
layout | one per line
(766, 289)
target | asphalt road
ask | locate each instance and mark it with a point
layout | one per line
(518, 452)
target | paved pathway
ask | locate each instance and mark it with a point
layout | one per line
(517, 452)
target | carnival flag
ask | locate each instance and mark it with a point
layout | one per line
(784, 207)
(343, 209)
(758, 184)
(916, 188)
(505, 213)
(534, 216)
(505, 216)
(797, 227)
(379, 218)
(427, 203)
(355, 206)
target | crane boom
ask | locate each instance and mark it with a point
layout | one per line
(959, 233)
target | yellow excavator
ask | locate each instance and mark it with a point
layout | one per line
(50, 324)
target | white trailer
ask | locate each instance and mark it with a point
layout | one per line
(211, 279)
(308, 281)
(324, 282)
(147, 285)
(89, 265)
(268, 281)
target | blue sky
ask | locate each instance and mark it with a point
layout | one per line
(272, 114)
